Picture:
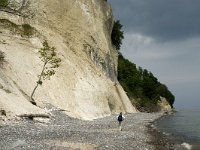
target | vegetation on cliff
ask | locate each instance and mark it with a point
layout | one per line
(51, 61)
(24, 30)
(117, 35)
(142, 86)
(2, 58)
(3, 3)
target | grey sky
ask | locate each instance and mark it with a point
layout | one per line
(163, 36)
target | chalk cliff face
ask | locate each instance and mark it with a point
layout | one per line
(85, 85)
(164, 105)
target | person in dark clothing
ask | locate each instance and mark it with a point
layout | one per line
(120, 118)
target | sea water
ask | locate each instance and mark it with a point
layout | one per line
(183, 124)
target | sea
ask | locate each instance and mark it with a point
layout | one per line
(183, 125)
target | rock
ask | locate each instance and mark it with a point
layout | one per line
(81, 33)
(2, 113)
(164, 105)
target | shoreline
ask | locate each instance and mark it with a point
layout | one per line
(165, 141)
(63, 132)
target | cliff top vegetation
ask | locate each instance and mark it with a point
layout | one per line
(142, 86)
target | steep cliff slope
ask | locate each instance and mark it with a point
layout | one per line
(85, 85)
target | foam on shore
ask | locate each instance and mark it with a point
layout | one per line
(186, 145)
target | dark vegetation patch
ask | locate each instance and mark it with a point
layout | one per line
(142, 86)
(2, 58)
(25, 30)
(4, 3)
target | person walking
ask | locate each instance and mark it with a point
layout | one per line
(120, 118)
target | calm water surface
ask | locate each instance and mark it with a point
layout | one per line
(184, 124)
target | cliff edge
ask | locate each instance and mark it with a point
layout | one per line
(85, 85)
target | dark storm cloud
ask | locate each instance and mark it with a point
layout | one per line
(160, 19)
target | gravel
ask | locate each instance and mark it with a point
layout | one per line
(62, 132)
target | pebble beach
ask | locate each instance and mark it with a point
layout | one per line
(62, 132)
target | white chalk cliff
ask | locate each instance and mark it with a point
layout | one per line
(85, 85)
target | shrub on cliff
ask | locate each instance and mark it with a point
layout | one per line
(27, 30)
(117, 34)
(2, 56)
(3, 3)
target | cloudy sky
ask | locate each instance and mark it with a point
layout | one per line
(163, 36)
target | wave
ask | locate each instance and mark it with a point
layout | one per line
(186, 145)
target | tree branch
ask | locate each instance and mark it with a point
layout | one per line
(31, 116)
(11, 11)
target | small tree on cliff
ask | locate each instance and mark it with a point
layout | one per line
(49, 56)
(117, 34)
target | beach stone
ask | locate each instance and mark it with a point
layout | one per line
(63, 132)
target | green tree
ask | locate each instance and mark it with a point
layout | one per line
(51, 61)
(142, 86)
(163, 91)
(117, 34)
(3, 3)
